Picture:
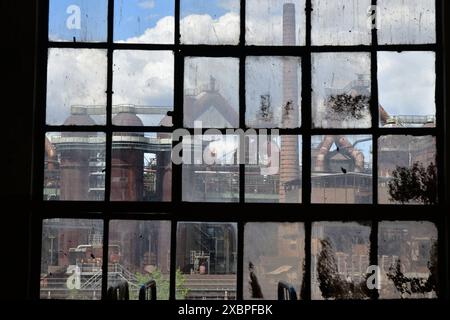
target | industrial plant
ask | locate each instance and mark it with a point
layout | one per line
(141, 170)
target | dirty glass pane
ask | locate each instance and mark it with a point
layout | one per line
(341, 90)
(273, 171)
(74, 166)
(76, 87)
(210, 21)
(143, 87)
(408, 258)
(407, 171)
(406, 22)
(206, 261)
(141, 166)
(340, 22)
(406, 86)
(71, 259)
(274, 22)
(78, 20)
(273, 92)
(211, 92)
(211, 168)
(144, 21)
(274, 255)
(341, 169)
(339, 260)
(139, 252)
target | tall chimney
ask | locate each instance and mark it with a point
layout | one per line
(289, 164)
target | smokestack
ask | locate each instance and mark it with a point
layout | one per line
(289, 162)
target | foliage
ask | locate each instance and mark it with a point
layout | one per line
(414, 184)
(163, 284)
(331, 284)
(414, 285)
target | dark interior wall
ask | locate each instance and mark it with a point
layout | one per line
(17, 73)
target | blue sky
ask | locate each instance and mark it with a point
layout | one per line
(131, 17)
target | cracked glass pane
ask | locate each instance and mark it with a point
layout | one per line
(340, 22)
(339, 260)
(211, 168)
(78, 20)
(274, 22)
(141, 166)
(143, 87)
(341, 169)
(273, 92)
(139, 256)
(408, 258)
(213, 22)
(76, 87)
(407, 171)
(406, 86)
(341, 90)
(211, 92)
(144, 21)
(206, 261)
(274, 256)
(74, 166)
(71, 259)
(406, 21)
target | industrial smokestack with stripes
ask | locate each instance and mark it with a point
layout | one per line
(289, 160)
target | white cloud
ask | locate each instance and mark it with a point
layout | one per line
(79, 76)
(75, 77)
(203, 29)
(148, 4)
(406, 82)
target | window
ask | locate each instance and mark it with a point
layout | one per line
(193, 149)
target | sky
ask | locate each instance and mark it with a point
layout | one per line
(406, 80)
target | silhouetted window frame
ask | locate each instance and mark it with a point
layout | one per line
(241, 212)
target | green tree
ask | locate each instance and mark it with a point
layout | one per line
(162, 284)
(415, 184)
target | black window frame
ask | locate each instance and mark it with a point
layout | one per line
(239, 212)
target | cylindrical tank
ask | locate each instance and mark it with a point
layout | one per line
(74, 180)
(127, 163)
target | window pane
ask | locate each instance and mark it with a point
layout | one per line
(341, 169)
(340, 22)
(71, 259)
(273, 92)
(340, 257)
(74, 166)
(211, 168)
(274, 254)
(406, 22)
(407, 171)
(143, 86)
(211, 92)
(408, 258)
(406, 93)
(76, 78)
(206, 260)
(210, 21)
(144, 21)
(274, 22)
(341, 90)
(141, 167)
(139, 251)
(273, 171)
(78, 20)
